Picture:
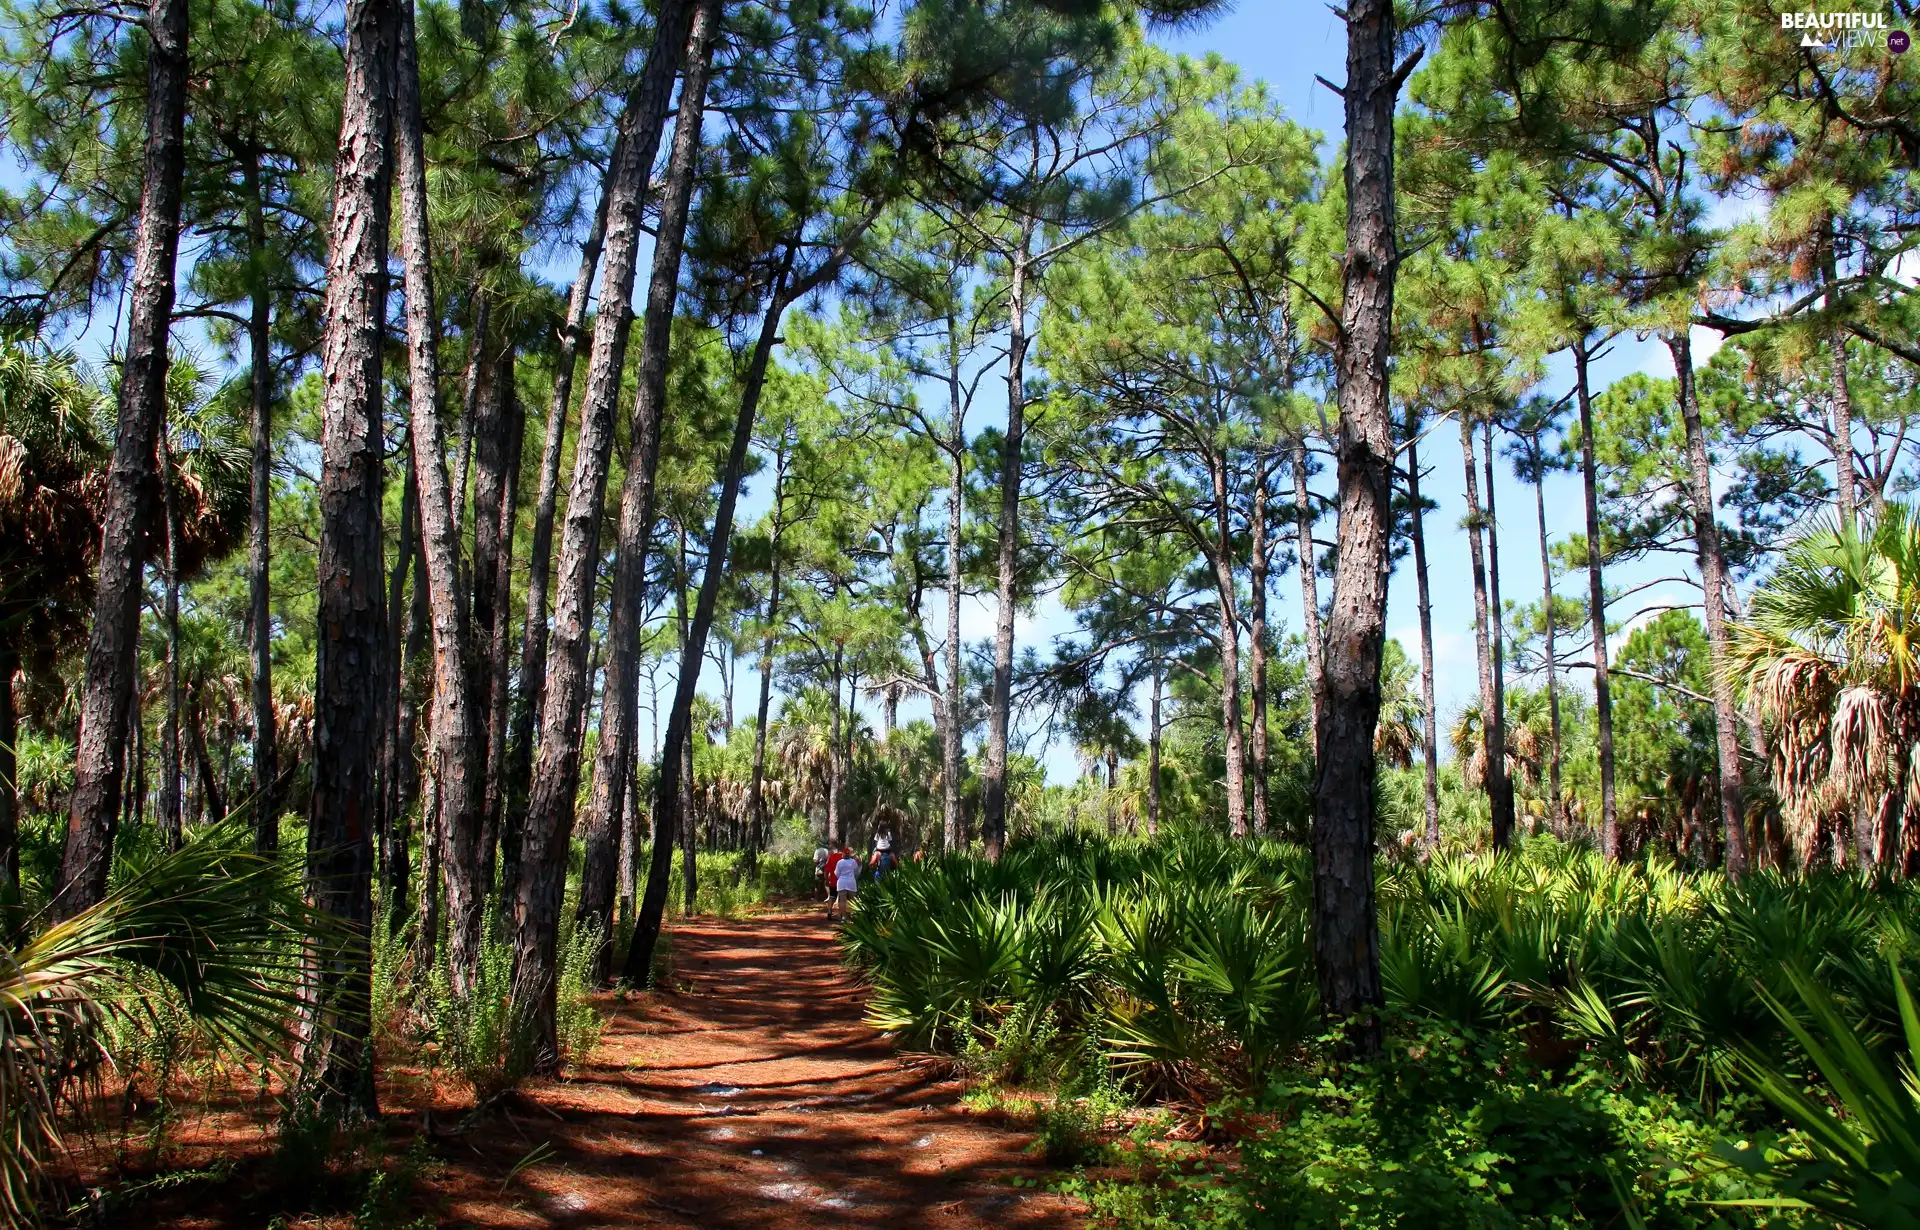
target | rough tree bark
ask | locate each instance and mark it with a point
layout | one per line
(494, 638)
(337, 1053)
(620, 703)
(1713, 584)
(1497, 730)
(556, 771)
(106, 693)
(455, 749)
(1346, 937)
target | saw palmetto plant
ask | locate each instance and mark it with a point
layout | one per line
(211, 927)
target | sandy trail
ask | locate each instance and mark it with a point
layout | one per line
(752, 1096)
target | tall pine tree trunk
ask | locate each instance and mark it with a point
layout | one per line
(555, 785)
(620, 703)
(113, 642)
(495, 454)
(1346, 937)
(337, 1053)
(497, 641)
(456, 757)
(1429, 716)
(1492, 728)
(993, 794)
(266, 768)
(1596, 606)
(1713, 584)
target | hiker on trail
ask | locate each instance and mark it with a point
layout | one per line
(845, 873)
(822, 869)
(882, 860)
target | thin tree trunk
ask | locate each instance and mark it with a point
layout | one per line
(619, 707)
(266, 769)
(756, 785)
(337, 1059)
(498, 676)
(556, 772)
(406, 765)
(1597, 607)
(1492, 729)
(667, 819)
(213, 801)
(494, 453)
(1845, 482)
(1153, 752)
(1257, 640)
(1556, 802)
(113, 641)
(1713, 584)
(1429, 717)
(394, 680)
(456, 750)
(993, 792)
(1222, 564)
(836, 767)
(1497, 627)
(953, 828)
(1346, 935)
(533, 642)
(172, 812)
(9, 792)
(1309, 586)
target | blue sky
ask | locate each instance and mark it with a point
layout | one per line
(1286, 46)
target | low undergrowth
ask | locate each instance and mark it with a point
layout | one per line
(1570, 1042)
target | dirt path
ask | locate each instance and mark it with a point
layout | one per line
(752, 1096)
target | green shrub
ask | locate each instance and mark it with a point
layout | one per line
(478, 1036)
(577, 1023)
(1458, 1131)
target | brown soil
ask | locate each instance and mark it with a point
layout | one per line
(751, 1095)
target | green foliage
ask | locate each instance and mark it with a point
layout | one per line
(479, 1036)
(1861, 1168)
(1456, 1128)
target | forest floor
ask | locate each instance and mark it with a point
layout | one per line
(748, 1094)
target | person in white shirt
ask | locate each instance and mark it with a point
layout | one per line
(820, 856)
(846, 882)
